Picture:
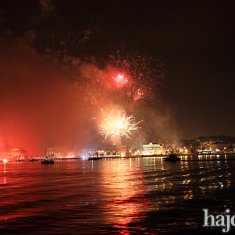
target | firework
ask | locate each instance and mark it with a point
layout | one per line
(120, 80)
(144, 71)
(117, 124)
(138, 95)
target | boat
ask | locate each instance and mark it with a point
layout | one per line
(94, 158)
(47, 160)
(33, 160)
(172, 158)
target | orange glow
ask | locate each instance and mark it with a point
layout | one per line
(4, 160)
(70, 155)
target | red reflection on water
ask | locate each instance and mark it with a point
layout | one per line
(128, 203)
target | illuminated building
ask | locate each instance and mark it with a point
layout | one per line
(106, 151)
(222, 146)
(57, 152)
(153, 149)
(113, 151)
(13, 154)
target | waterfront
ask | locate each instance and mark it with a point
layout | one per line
(114, 196)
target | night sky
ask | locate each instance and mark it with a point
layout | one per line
(193, 39)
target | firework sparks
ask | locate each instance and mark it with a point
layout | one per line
(120, 80)
(117, 124)
(138, 94)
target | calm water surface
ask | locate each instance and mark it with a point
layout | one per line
(114, 196)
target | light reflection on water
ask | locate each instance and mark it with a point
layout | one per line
(113, 196)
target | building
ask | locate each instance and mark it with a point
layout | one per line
(106, 151)
(57, 152)
(13, 154)
(153, 149)
(222, 146)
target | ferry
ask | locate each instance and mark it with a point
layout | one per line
(47, 160)
(94, 158)
(172, 158)
(33, 160)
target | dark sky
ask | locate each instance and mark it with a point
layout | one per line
(193, 39)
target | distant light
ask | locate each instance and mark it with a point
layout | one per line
(123, 154)
(70, 155)
(4, 160)
(84, 156)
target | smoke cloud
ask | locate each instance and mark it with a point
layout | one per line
(39, 100)
(48, 101)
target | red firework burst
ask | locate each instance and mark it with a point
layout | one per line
(120, 80)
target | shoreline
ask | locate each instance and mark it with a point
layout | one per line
(154, 156)
(182, 156)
